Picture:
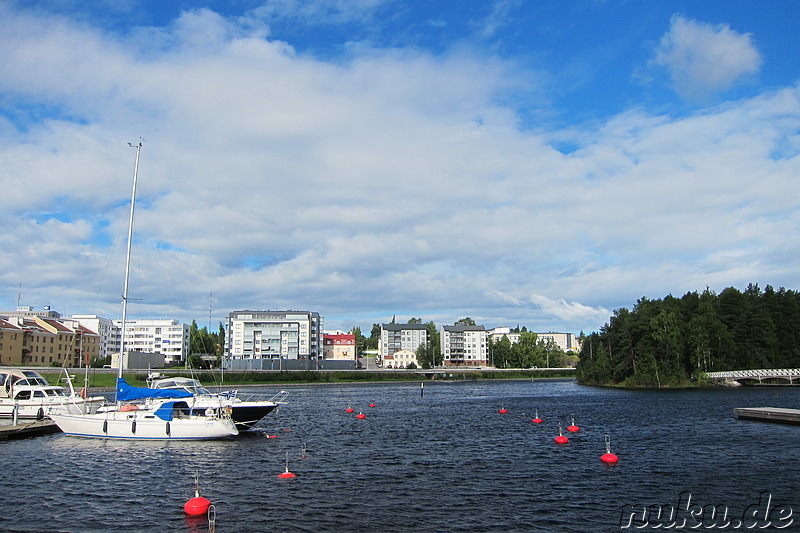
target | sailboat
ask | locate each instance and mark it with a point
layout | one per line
(163, 415)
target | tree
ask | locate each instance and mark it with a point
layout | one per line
(413, 320)
(465, 322)
(361, 340)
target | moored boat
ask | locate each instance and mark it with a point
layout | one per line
(165, 415)
(246, 411)
(30, 395)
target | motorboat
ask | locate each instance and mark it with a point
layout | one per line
(26, 394)
(164, 415)
(246, 410)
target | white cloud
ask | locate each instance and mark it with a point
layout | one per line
(393, 182)
(703, 59)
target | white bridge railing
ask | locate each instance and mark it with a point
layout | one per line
(764, 373)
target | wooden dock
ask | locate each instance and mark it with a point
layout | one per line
(768, 414)
(28, 429)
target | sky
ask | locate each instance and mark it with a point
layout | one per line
(520, 162)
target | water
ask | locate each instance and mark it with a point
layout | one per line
(447, 461)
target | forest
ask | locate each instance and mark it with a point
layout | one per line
(674, 341)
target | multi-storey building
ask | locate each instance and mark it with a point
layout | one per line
(168, 337)
(274, 335)
(106, 330)
(464, 345)
(39, 341)
(11, 336)
(401, 337)
(566, 341)
(339, 345)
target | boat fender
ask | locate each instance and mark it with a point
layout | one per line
(83, 393)
(40, 414)
(168, 429)
(133, 427)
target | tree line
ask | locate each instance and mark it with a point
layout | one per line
(672, 341)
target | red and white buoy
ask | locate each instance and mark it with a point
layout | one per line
(361, 416)
(573, 428)
(198, 505)
(348, 410)
(372, 405)
(561, 439)
(286, 474)
(503, 411)
(536, 419)
(608, 457)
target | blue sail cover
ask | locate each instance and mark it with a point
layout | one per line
(127, 393)
(167, 409)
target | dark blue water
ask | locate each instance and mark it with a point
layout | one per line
(445, 462)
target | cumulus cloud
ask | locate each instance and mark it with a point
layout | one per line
(395, 181)
(703, 59)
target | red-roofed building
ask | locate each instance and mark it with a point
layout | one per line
(339, 346)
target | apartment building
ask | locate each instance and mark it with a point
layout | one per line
(339, 346)
(401, 337)
(274, 335)
(566, 341)
(168, 337)
(464, 345)
(34, 341)
(108, 335)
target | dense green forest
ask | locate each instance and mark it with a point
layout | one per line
(669, 342)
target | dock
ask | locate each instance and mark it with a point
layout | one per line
(768, 414)
(28, 429)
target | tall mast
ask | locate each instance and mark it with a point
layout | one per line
(138, 147)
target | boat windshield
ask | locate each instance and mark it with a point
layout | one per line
(191, 385)
(32, 382)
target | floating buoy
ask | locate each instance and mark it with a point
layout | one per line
(537, 420)
(503, 411)
(286, 474)
(372, 405)
(573, 428)
(609, 457)
(272, 436)
(561, 439)
(348, 410)
(361, 416)
(198, 505)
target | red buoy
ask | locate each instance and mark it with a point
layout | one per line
(537, 420)
(286, 474)
(198, 505)
(372, 405)
(361, 416)
(503, 410)
(609, 457)
(573, 428)
(348, 410)
(561, 439)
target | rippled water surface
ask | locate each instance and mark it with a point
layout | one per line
(445, 461)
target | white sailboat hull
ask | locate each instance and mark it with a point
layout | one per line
(143, 425)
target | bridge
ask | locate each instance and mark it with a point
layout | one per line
(789, 374)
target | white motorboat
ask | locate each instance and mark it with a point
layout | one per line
(246, 411)
(165, 415)
(31, 396)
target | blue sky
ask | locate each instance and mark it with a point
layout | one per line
(519, 162)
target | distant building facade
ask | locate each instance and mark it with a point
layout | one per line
(464, 345)
(401, 337)
(274, 335)
(167, 337)
(108, 334)
(31, 340)
(566, 341)
(341, 346)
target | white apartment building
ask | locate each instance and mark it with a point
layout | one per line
(105, 329)
(566, 341)
(401, 337)
(165, 336)
(274, 335)
(464, 345)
